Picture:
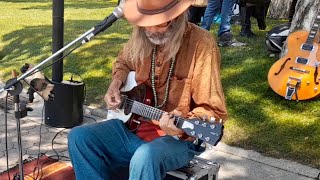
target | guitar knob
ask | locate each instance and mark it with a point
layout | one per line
(212, 126)
(193, 133)
(207, 139)
(197, 122)
(200, 135)
(315, 89)
(204, 125)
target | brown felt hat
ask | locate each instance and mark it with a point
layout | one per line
(153, 12)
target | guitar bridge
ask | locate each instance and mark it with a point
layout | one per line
(300, 70)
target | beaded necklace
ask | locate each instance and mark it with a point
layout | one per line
(154, 51)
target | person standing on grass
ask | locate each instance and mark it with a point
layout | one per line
(224, 33)
(196, 11)
(180, 62)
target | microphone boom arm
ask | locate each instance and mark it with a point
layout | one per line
(26, 74)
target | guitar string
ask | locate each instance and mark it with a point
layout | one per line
(159, 113)
(156, 111)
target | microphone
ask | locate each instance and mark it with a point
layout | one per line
(107, 22)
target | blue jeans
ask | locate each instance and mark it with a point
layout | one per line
(97, 150)
(213, 9)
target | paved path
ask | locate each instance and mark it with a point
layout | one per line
(235, 163)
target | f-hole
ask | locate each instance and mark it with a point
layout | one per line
(315, 76)
(282, 66)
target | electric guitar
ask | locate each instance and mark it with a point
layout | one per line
(137, 100)
(296, 75)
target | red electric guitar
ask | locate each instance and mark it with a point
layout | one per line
(138, 100)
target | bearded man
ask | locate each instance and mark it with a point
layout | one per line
(180, 63)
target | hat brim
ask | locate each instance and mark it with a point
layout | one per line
(135, 17)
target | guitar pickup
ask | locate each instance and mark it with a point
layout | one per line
(300, 70)
(307, 47)
(302, 60)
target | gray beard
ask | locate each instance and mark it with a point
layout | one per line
(158, 38)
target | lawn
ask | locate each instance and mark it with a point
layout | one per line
(258, 118)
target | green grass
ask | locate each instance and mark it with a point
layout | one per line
(258, 118)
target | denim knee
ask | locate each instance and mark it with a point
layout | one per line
(145, 154)
(78, 133)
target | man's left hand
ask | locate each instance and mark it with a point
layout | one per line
(166, 123)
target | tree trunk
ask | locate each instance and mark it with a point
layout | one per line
(306, 12)
(279, 9)
(303, 19)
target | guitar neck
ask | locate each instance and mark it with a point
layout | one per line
(314, 30)
(150, 112)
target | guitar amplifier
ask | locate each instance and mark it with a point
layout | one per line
(197, 169)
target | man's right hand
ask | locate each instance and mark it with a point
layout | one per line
(112, 97)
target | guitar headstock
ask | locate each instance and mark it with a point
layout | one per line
(209, 132)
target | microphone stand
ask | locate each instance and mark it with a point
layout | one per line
(14, 87)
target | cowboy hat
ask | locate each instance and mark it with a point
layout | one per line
(153, 12)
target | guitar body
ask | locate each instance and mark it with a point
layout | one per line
(140, 93)
(296, 75)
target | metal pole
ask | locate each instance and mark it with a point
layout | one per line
(17, 116)
(57, 37)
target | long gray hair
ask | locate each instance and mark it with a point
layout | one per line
(139, 46)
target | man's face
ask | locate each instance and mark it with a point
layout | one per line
(159, 34)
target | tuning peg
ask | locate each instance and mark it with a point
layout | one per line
(212, 126)
(204, 117)
(200, 135)
(207, 138)
(197, 122)
(212, 119)
(204, 125)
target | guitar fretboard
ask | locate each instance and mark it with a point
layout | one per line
(314, 30)
(150, 112)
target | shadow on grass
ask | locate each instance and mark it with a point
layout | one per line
(92, 60)
(78, 5)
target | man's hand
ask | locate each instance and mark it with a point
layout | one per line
(166, 123)
(112, 97)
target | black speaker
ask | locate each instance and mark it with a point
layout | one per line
(66, 109)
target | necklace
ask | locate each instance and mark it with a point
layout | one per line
(154, 51)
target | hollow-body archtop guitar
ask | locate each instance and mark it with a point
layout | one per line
(296, 76)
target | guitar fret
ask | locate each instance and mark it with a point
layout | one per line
(151, 112)
(314, 30)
